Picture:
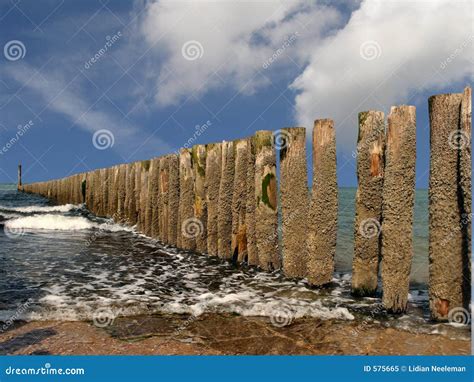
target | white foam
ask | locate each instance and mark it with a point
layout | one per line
(42, 209)
(63, 223)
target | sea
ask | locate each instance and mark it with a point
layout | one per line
(60, 262)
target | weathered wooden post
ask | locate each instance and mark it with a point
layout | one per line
(113, 195)
(291, 143)
(251, 204)
(130, 194)
(104, 191)
(450, 203)
(322, 222)
(152, 186)
(239, 199)
(154, 195)
(266, 213)
(397, 210)
(121, 192)
(173, 199)
(224, 220)
(19, 177)
(213, 180)
(164, 198)
(370, 164)
(142, 212)
(200, 199)
(189, 227)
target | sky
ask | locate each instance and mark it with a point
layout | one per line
(90, 84)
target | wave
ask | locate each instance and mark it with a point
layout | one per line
(62, 223)
(41, 209)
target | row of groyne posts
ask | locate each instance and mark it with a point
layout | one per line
(225, 199)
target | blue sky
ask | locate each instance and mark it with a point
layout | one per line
(163, 68)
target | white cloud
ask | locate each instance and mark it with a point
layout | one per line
(236, 38)
(63, 97)
(412, 41)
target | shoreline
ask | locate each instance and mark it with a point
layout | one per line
(222, 334)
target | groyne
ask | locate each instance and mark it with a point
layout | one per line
(226, 199)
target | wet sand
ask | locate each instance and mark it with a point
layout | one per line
(220, 334)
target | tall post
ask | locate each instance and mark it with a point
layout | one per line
(251, 203)
(213, 180)
(173, 199)
(239, 198)
(188, 228)
(164, 198)
(19, 177)
(200, 199)
(450, 203)
(322, 222)
(224, 220)
(291, 143)
(370, 169)
(266, 212)
(398, 203)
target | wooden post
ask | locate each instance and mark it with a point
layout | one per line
(322, 222)
(450, 203)
(213, 180)
(19, 177)
(142, 212)
(154, 195)
(149, 199)
(121, 192)
(189, 228)
(266, 212)
(130, 195)
(200, 199)
(398, 203)
(164, 198)
(173, 199)
(224, 220)
(370, 164)
(251, 204)
(239, 198)
(291, 143)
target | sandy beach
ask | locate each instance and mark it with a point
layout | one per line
(221, 334)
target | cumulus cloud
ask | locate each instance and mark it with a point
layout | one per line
(386, 54)
(383, 54)
(213, 44)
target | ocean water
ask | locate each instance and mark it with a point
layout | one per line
(63, 263)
